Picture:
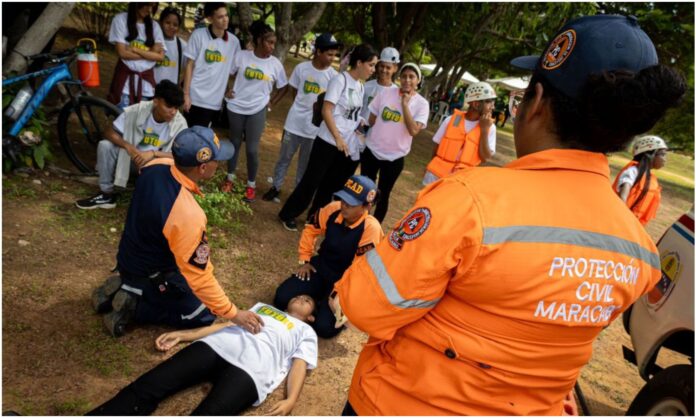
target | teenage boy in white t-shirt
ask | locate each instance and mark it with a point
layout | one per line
(209, 55)
(143, 131)
(308, 80)
(244, 368)
(386, 68)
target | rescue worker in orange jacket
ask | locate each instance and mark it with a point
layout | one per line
(349, 232)
(165, 272)
(636, 185)
(485, 299)
(464, 139)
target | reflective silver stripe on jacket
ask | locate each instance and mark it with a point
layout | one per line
(389, 288)
(557, 235)
(194, 313)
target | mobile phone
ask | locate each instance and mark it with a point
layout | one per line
(362, 129)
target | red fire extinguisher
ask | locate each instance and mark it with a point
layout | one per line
(87, 62)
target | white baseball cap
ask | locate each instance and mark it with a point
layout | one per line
(390, 55)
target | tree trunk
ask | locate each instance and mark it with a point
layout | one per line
(297, 48)
(436, 79)
(245, 20)
(290, 32)
(379, 25)
(38, 35)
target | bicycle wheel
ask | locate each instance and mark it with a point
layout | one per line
(81, 125)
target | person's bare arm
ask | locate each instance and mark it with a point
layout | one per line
(125, 52)
(140, 158)
(296, 378)
(169, 339)
(412, 126)
(624, 191)
(372, 119)
(155, 53)
(278, 95)
(485, 123)
(188, 75)
(327, 113)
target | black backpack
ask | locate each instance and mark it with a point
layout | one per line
(317, 117)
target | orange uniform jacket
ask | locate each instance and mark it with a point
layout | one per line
(371, 236)
(647, 208)
(458, 149)
(486, 298)
(166, 231)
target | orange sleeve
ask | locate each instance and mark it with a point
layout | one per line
(372, 235)
(314, 229)
(186, 234)
(405, 276)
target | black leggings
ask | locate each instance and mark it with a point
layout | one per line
(327, 171)
(233, 389)
(200, 116)
(388, 174)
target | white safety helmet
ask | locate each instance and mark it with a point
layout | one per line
(479, 91)
(648, 143)
(390, 55)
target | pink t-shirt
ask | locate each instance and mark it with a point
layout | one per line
(389, 139)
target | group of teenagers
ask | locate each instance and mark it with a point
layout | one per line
(446, 304)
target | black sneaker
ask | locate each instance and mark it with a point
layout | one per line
(104, 294)
(123, 305)
(102, 200)
(290, 224)
(272, 194)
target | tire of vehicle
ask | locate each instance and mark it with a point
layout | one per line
(669, 392)
(89, 114)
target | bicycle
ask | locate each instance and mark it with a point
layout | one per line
(80, 120)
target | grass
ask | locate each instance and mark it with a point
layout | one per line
(73, 407)
(100, 352)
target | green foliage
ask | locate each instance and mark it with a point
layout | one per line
(95, 18)
(223, 210)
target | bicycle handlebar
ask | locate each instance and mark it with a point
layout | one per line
(53, 55)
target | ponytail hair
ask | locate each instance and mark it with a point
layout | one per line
(133, 19)
(362, 53)
(645, 162)
(258, 30)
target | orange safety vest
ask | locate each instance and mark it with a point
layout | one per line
(486, 298)
(458, 149)
(647, 208)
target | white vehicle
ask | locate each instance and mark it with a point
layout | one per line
(664, 318)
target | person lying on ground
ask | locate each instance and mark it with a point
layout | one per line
(143, 132)
(165, 273)
(349, 232)
(243, 368)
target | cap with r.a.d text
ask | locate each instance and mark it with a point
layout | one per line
(358, 190)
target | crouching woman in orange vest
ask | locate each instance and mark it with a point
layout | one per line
(636, 185)
(486, 298)
(458, 141)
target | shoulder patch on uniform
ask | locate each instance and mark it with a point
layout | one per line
(365, 248)
(412, 227)
(201, 254)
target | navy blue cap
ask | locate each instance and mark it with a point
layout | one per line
(590, 45)
(198, 145)
(358, 190)
(327, 41)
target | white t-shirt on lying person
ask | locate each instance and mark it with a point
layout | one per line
(213, 57)
(168, 68)
(267, 356)
(254, 82)
(309, 83)
(389, 139)
(156, 134)
(346, 93)
(118, 32)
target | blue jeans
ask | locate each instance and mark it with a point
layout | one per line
(288, 148)
(125, 101)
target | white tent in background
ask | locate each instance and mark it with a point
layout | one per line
(467, 78)
(510, 83)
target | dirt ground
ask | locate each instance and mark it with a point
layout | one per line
(57, 359)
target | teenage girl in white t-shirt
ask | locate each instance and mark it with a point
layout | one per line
(170, 68)
(139, 43)
(257, 72)
(385, 69)
(330, 162)
(244, 368)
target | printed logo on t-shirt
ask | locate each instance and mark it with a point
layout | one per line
(166, 62)
(253, 73)
(212, 56)
(276, 314)
(311, 87)
(151, 138)
(391, 115)
(138, 44)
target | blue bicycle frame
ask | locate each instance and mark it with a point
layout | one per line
(55, 74)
